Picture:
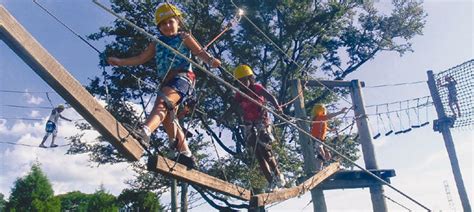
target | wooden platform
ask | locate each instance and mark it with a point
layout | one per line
(284, 194)
(53, 73)
(175, 170)
(349, 179)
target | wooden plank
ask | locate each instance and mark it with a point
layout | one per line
(287, 193)
(51, 71)
(347, 179)
(168, 167)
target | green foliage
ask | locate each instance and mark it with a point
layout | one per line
(319, 38)
(3, 202)
(102, 201)
(139, 200)
(33, 192)
(74, 201)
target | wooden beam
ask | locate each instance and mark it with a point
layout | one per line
(287, 193)
(51, 71)
(347, 179)
(168, 167)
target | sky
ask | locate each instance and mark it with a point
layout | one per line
(419, 157)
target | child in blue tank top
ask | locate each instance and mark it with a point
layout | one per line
(178, 78)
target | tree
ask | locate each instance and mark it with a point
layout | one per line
(332, 38)
(102, 201)
(33, 192)
(139, 200)
(2, 202)
(74, 201)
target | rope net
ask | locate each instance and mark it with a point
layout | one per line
(455, 87)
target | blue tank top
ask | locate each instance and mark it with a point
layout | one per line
(168, 60)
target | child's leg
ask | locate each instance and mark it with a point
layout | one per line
(44, 138)
(176, 134)
(160, 110)
(264, 167)
(459, 111)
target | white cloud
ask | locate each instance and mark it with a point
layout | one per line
(31, 99)
(34, 114)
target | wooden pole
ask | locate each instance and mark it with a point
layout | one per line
(307, 147)
(174, 204)
(442, 125)
(365, 137)
(184, 197)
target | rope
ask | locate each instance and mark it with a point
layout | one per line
(28, 107)
(396, 84)
(254, 101)
(29, 145)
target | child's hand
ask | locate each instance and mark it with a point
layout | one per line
(114, 61)
(215, 63)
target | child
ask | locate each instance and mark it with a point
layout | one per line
(51, 125)
(257, 129)
(320, 127)
(178, 78)
(452, 94)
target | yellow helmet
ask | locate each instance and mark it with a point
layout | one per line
(242, 71)
(60, 106)
(165, 11)
(319, 109)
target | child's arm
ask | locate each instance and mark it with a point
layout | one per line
(272, 99)
(142, 58)
(197, 50)
(332, 115)
(60, 116)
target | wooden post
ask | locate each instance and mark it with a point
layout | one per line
(307, 147)
(184, 197)
(365, 137)
(174, 204)
(52, 72)
(442, 125)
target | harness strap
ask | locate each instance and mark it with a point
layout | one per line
(168, 104)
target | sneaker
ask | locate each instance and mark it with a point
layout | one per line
(281, 182)
(189, 162)
(53, 145)
(43, 146)
(139, 134)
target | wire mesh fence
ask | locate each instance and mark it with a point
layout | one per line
(456, 90)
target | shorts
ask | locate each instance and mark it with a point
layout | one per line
(183, 85)
(51, 127)
(263, 133)
(452, 99)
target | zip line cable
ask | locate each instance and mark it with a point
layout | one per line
(209, 73)
(29, 107)
(28, 145)
(287, 56)
(26, 92)
(396, 84)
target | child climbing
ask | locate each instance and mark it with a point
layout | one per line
(320, 127)
(51, 125)
(452, 94)
(257, 130)
(178, 79)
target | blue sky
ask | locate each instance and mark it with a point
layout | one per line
(419, 157)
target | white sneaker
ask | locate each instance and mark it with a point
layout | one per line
(281, 181)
